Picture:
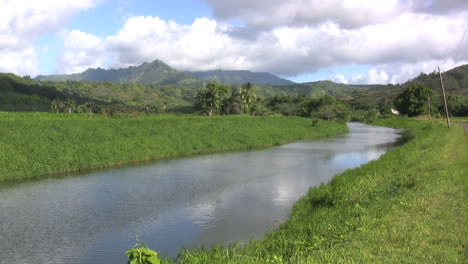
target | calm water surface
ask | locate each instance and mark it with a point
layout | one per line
(219, 198)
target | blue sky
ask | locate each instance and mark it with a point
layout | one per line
(360, 41)
(109, 16)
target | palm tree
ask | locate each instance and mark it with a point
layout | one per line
(70, 104)
(247, 94)
(89, 106)
(55, 105)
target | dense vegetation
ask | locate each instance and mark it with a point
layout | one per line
(220, 99)
(312, 89)
(38, 144)
(414, 100)
(24, 94)
(165, 93)
(407, 207)
(455, 82)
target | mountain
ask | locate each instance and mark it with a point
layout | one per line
(156, 72)
(240, 77)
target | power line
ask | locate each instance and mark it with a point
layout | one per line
(457, 49)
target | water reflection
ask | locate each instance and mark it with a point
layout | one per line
(218, 198)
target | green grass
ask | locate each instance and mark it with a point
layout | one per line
(38, 144)
(410, 206)
(459, 119)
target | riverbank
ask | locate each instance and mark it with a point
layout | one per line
(37, 145)
(410, 206)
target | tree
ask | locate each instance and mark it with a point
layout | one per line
(337, 112)
(211, 98)
(325, 112)
(247, 95)
(457, 105)
(90, 106)
(413, 100)
(70, 105)
(55, 105)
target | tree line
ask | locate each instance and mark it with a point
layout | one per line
(413, 100)
(220, 99)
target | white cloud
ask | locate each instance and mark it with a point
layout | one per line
(339, 78)
(22, 21)
(204, 44)
(20, 61)
(345, 13)
(273, 13)
(289, 38)
(409, 39)
(401, 72)
(373, 76)
(439, 6)
(81, 51)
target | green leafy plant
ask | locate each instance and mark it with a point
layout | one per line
(141, 254)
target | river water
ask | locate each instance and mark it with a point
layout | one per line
(171, 204)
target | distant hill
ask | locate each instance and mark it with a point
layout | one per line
(24, 94)
(156, 72)
(240, 77)
(318, 88)
(455, 80)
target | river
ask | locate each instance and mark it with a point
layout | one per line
(171, 204)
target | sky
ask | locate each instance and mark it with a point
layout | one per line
(347, 41)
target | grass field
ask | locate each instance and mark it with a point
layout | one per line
(410, 206)
(459, 119)
(39, 144)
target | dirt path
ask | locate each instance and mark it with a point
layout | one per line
(466, 128)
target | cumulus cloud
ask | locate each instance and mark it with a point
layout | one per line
(81, 51)
(19, 60)
(203, 44)
(22, 21)
(288, 38)
(339, 78)
(399, 72)
(345, 13)
(439, 6)
(409, 39)
(273, 13)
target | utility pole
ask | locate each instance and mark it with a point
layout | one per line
(445, 99)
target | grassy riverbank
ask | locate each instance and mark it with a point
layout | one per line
(410, 206)
(39, 144)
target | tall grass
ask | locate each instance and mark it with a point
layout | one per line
(410, 206)
(39, 144)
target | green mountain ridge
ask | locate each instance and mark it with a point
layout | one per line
(158, 72)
